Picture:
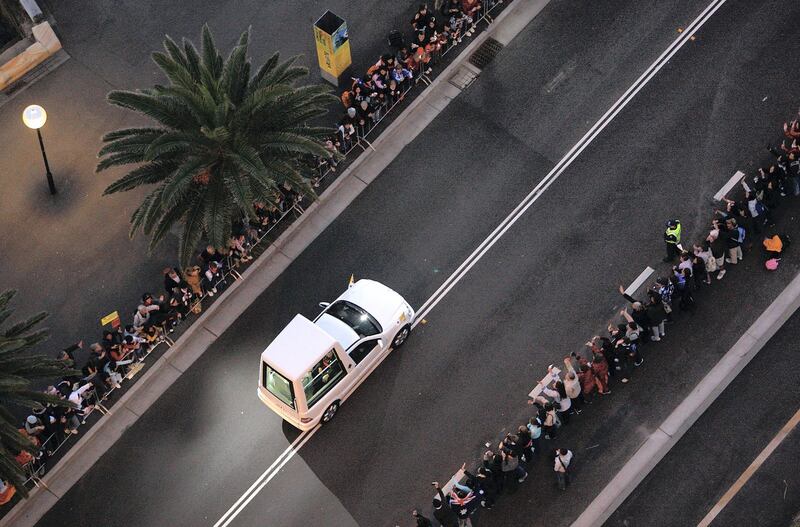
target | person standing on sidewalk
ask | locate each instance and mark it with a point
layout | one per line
(511, 467)
(733, 238)
(442, 511)
(672, 237)
(535, 428)
(561, 467)
(572, 387)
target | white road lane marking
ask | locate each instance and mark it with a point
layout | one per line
(752, 469)
(495, 235)
(642, 278)
(289, 450)
(737, 177)
(567, 160)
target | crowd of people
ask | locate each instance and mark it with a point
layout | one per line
(743, 226)
(121, 350)
(433, 31)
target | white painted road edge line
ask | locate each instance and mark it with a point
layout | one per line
(567, 160)
(729, 185)
(642, 278)
(495, 235)
(752, 469)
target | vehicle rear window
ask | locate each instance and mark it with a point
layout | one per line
(278, 385)
(355, 317)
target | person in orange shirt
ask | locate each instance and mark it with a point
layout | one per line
(773, 245)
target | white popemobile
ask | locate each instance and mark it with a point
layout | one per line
(312, 367)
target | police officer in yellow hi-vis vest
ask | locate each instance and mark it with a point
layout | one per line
(673, 238)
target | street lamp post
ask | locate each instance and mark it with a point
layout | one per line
(34, 117)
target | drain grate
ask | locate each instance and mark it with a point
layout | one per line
(486, 53)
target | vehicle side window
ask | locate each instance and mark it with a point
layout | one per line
(361, 351)
(322, 378)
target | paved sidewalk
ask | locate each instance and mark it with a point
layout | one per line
(659, 443)
(215, 320)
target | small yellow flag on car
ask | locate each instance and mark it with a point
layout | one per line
(352, 281)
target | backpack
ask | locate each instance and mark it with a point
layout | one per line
(760, 208)
(741, 234)
(396, 39)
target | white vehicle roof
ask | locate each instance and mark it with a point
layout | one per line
(375, 298)
(297, 348)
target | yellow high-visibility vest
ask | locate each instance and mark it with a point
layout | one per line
(675, 231)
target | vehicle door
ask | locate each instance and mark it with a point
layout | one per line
(326, 382)
(364, 353)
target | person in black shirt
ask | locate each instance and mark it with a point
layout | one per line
(442, 511)
(421, 520)
(421, 17)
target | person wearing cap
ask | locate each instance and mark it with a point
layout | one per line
(672, 237)
(34, 426)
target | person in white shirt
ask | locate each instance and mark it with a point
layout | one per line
(78, 398)
(562, 403)
(561, 467)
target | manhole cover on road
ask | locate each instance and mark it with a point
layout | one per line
(486, 53)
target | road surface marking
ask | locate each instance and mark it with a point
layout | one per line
(642, 278)
(289, 449)
(494, 236)
(752, 469)
(567, 160)
(729, 185)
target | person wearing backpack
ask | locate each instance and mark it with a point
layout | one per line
(561, 467)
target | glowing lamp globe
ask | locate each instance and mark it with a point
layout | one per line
(34, 116)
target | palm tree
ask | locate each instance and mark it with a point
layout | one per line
(223, 140)
(18, 369)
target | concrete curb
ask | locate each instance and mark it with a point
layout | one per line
(692, 407)
(275, 259)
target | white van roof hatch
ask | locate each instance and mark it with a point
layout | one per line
(297, 348)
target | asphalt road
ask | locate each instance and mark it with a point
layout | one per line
(726, 439)
(546, 287)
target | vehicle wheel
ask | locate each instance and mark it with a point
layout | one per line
(330, 412)
(401, 337)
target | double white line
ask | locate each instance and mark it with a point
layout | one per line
(265, 478)
(495, 235)
(567, 160)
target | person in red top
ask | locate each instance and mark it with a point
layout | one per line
(600, 371)
(471, 9)
(588, 382)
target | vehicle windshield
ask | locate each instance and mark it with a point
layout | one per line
(278, 385)
(362, 322)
